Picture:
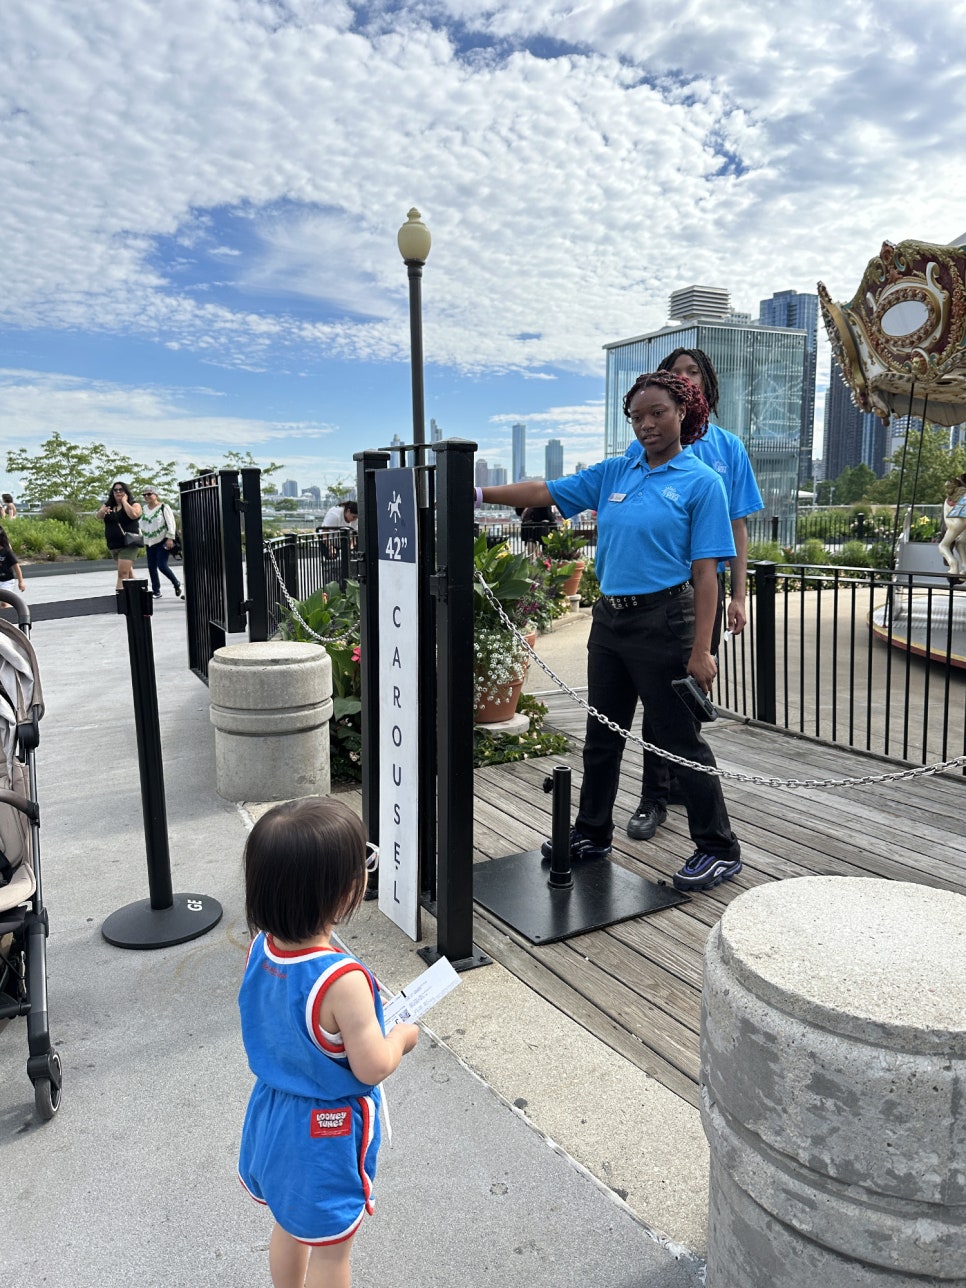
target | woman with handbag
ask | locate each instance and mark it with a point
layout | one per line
(159, 532)
(122, 530)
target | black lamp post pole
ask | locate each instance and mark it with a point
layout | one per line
(415, 269)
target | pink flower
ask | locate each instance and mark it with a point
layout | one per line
(357, 653)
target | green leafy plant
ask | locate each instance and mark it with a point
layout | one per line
(334, 614)
(535, 741)
(589, 588)
(507, 576)
(563, 544)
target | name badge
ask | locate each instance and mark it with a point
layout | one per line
(617, 496)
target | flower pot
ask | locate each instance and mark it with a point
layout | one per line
(502, 707)
(573, 581)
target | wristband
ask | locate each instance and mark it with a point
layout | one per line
(479, 498)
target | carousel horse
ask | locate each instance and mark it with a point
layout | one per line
(953, 544)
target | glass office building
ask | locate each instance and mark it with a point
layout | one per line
(760, 373)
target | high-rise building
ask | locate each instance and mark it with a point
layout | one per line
(760, 394)
(852, 437)
(553, 457)
(497, 475)
(799, 313)
(313, 494)
(519, 452)
(435, 433)
(290, 488)
(705, 302)
(482, 473)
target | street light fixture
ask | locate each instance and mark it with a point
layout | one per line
(414, 241)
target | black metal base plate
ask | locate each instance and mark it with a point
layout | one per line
(459, 964)
(515, 889)
(138, 925)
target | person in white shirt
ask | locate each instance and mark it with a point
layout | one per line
(159, 531)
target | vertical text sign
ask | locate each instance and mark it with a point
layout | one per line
(398, 699)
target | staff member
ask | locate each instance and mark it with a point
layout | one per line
(725, 453)
(662, 526)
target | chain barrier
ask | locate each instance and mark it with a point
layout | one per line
(293, 607)
(792, 784)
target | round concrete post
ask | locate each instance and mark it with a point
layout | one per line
(271, 704)
(833, 1069)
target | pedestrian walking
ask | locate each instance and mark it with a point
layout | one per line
(159, 531)
(122, 532)
(9, 507)
(10, 570)
(312, 1025)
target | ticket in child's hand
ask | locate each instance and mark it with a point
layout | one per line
(425, 991)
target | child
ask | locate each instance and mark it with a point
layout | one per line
(9, 564)
(312, 1026)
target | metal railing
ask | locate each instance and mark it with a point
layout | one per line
(306, 562)
(867, 658)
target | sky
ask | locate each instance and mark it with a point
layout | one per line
(201, 200)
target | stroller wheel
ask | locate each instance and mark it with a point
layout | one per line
(47, 1090)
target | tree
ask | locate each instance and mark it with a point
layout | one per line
(287, 505)
(926, 472)
(854, 484)
(240, 461)
(82, 473)
(338, 492)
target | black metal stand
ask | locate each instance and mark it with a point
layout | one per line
(549, 901)
(165, 918)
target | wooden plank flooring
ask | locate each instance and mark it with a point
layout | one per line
(637, 985)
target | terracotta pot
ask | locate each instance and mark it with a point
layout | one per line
(502, 707)
(573, 581)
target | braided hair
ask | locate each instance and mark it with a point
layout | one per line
(684, 393)
(705, 366)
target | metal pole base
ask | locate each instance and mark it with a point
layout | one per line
(138, 925)
(460, 964)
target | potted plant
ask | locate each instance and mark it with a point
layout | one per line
(500, 659)
(563, 547)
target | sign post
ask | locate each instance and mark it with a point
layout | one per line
(398, 697)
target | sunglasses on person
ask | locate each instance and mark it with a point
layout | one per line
(372, 856)
(147, 494)
(118, 489)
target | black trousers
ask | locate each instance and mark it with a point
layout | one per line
(656, 781)
(636, 653)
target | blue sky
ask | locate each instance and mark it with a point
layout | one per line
(201, 199)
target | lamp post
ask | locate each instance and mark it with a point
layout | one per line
(414, 241)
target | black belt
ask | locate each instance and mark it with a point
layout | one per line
(620, 602)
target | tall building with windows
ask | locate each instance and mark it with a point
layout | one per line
(852, 437)
(482, 474)
(553, 457)
(497, 475)
(760, 373)
(519, 452)
(798, 313)
(290, 488)
(435, 433)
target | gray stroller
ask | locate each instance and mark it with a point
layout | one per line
(23, 917)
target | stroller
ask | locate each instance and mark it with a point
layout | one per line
(23, 917)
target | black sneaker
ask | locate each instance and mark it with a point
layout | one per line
(704, 871)
(581, 847)
(156, 594)
(645, 820)
(177, 589)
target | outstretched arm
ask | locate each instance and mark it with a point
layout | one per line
(533, 492)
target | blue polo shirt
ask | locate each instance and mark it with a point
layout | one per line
(726, 454)
(651, 524)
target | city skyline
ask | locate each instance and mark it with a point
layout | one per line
(201, 205)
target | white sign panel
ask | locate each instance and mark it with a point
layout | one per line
(398, 699)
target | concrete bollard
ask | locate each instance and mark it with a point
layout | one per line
(833, 1069)
(271, 704)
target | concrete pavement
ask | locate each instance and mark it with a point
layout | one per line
(134, 1180)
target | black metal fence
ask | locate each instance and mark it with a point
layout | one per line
(863, 657)
(302, 563)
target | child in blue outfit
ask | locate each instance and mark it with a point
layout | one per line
(312, 1025)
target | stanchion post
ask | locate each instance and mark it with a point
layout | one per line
(561, 876)
(366, 560)
(257, 597)
(164, 918)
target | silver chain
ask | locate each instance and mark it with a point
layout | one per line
(293, 607)
(794, 784)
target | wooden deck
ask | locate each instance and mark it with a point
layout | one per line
(637, 985)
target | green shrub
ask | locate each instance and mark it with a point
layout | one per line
(589, 588)
(63, 512)
(502, 748)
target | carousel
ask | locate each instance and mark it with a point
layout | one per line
(901, 346)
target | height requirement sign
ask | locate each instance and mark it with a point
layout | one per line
(398, 698)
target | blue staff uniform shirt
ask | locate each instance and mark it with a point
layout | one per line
(651, 523)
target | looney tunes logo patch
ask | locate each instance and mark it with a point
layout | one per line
(331, 1122)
